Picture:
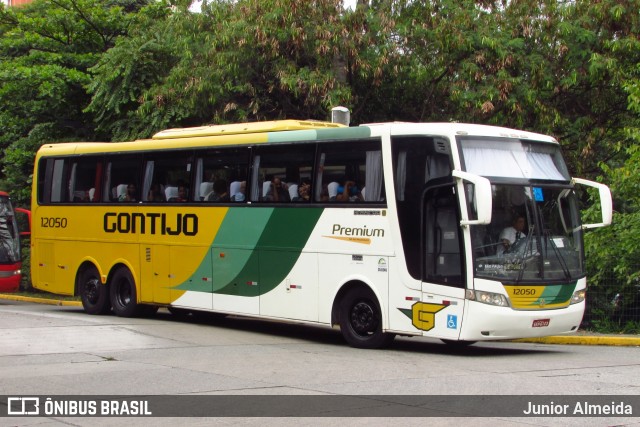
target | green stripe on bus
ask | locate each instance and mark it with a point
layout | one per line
(254, 250)
(319, 134)
(556, 294)
(231, 250)
(278, 249)
(337, 133)
(242, 227)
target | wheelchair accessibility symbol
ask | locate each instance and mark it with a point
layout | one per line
(452, 321)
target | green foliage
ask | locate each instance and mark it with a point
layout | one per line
(248, 60)
(615, 250)
(46, 49)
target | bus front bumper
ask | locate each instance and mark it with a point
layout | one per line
(486, 322)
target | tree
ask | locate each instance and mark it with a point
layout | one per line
(46, 49)
(245, 61)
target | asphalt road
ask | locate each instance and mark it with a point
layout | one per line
(59, 350)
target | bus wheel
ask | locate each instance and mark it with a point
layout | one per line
(94, 295)
(361, 320)
(123, 294)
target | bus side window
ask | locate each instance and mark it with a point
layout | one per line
(121, 171)
(167, 176)
(52, 180)
(219, 174)
(84, 177)
(278, 169)
(345, 169)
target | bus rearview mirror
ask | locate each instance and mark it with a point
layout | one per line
(479, 196)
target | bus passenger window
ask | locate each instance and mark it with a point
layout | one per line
(164, 174)
(278, 171)
(121, 172)
(345, 169)
(223, 164)
(85, 175)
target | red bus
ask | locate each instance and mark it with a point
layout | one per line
(10, 260)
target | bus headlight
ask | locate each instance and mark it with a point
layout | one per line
(490, 298)
(578, 296)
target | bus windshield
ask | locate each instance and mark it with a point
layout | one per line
(534, 235)
(513, 159)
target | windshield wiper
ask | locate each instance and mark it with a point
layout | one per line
(524, 254)
(556, 250)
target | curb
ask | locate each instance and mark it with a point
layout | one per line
(40, 300)
(621, 341)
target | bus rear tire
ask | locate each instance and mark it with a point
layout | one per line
(123, 293)
(361, 320)
(94, 295)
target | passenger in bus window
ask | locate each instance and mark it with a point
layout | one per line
(129, 195)
(277, 192)
(178, 194)
(304, 192)
(219, 193)
(182, 193)
(348, 192)
(237, 191)
(80, 196)
(332, 188)
(155, 194)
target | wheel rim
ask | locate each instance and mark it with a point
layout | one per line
(363, 319)
(123, 293)
(92, 290)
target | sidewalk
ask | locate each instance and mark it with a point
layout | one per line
(48, 301)
(588, 338)
(580, 338)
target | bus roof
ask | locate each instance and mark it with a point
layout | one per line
(240, 128)
(462, 129)
(281, 131)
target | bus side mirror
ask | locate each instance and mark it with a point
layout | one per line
(477, 198)
(606, 204)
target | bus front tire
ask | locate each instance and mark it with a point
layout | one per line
(94, 295)
(361, 320)
(123, 294)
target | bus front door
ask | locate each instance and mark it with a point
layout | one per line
(443, 276)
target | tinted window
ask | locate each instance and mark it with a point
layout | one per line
(278, 170)
(350, 171)
(221, 175)
(122, 178)
(167, 177)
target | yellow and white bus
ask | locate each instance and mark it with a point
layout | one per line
(379, 229)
